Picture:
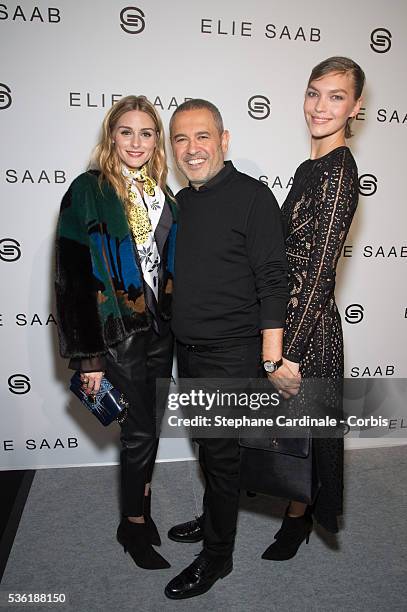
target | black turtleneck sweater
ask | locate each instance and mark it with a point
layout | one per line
(230, 264)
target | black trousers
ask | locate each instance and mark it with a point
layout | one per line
(133, 367)
(219, 457)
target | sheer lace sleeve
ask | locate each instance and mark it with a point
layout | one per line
(91, 364)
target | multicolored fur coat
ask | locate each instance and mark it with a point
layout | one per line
(99, 284)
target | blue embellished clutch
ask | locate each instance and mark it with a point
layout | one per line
(108, 404)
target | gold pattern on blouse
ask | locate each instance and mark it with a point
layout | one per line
(149, 184)
(139, 220)
(137, 214)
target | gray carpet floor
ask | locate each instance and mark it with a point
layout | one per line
(66, 544)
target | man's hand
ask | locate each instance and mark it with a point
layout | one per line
(91, 382)
(287, 379)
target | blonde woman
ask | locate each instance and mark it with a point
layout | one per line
(115, 247)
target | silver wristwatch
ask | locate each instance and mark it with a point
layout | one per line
(272, 366)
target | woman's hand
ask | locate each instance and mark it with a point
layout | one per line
(91, 382)
(287, 379)
(292, 366)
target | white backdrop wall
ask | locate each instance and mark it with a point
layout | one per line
(63, 63)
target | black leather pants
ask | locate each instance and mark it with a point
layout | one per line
(133, 367)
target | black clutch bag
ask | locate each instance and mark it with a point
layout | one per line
(282, 467)
(108, 404)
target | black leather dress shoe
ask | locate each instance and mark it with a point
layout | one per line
(198, 577)
(192, 531)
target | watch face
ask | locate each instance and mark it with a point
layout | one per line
(269, 366)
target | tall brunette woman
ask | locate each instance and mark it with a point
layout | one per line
(317, 214)
(115, 247)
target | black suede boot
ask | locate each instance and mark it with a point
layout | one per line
(293, 531)
(151, 526)
(135, 539)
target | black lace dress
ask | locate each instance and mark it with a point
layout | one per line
(317, 215)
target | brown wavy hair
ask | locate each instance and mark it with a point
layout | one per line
(106, 158)
(342, 65)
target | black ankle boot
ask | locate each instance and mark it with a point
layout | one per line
(151, 526)
(293, 531)
(135, 539)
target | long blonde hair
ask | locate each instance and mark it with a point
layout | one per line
(106, 158)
